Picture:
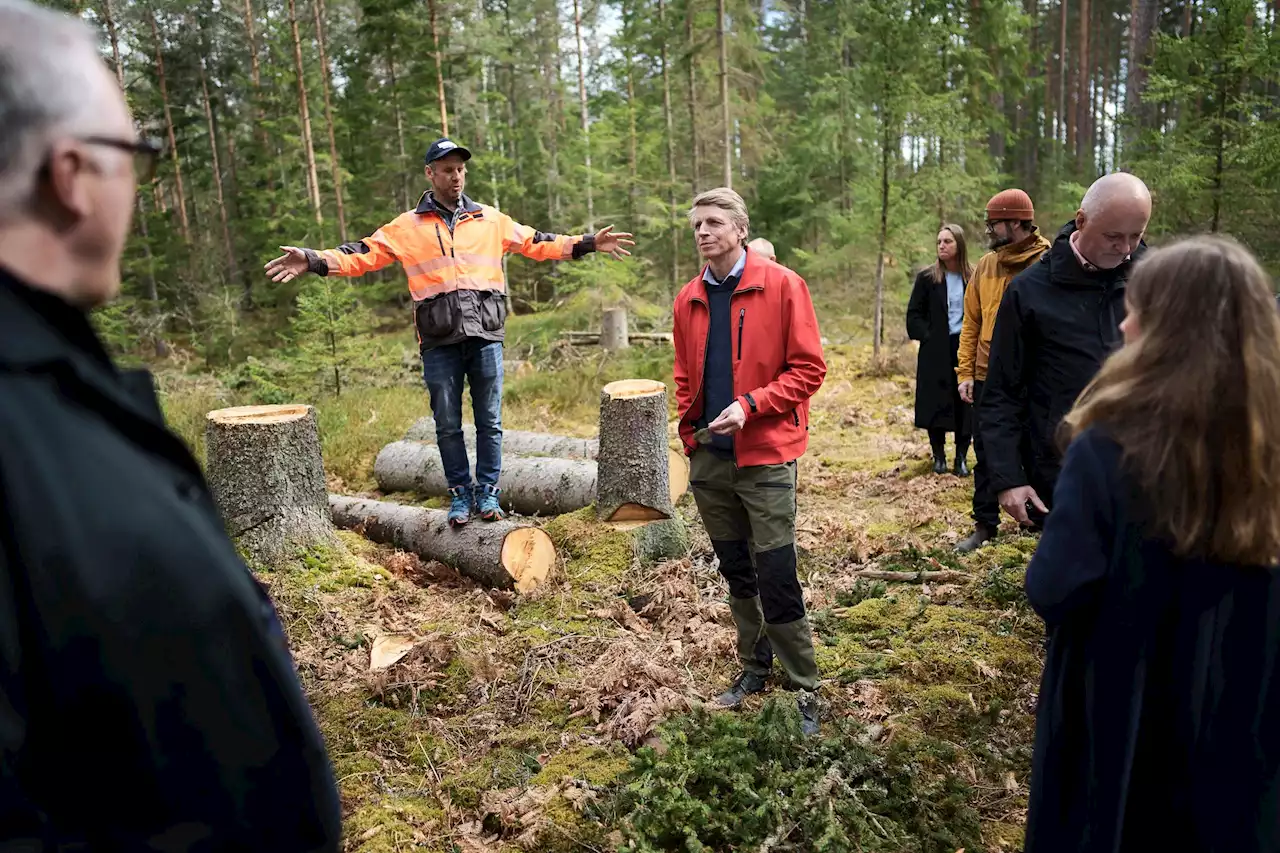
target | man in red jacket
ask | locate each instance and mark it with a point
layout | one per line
(748, 358)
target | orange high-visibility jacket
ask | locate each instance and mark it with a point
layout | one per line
(440, 256)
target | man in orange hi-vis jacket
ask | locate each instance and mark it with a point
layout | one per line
(451, 249)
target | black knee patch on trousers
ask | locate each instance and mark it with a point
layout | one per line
(780, 594)
(735, 566)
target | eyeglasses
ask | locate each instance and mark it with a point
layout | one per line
(146, 154)
(992, 223)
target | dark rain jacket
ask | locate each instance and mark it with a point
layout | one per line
(1056, 325)
(1158, 720)
(147, 697)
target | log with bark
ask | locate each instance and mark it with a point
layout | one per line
(500, 554)
(530, 485)
(613, 330)
(516, 442)
(634, 482)
(582, 338)
(267, 477)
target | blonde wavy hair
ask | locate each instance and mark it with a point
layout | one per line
(1194, 401)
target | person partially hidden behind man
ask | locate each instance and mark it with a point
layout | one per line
(147, 698)
(748, 356)
(1058, 322)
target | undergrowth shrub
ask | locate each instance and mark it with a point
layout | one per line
(747, 782)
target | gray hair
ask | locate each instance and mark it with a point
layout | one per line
(728, 201)
(44, 90)
(1111, 187)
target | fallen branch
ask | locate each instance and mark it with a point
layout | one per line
(946, 576)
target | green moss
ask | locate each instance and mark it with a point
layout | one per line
(597, 553)
(596, 765)
(393, 824)
(504, 767)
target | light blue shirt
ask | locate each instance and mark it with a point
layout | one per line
(710, 278)
(955, 302)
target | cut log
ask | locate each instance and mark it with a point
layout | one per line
(589, 338)
(530, 486)
(500, 554)
(651, 541)
(267, 478)
(635, 483)
(613, 330)
(515, 442)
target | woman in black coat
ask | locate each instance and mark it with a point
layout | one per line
(934, 317)
(1158, 725)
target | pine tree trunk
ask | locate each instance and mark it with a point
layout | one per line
(399, 116)
(632, 154)
(255, 72)
(498, 554)
(267, 477)
(634, 482)
(671, 150)
(724, 94)
(304, 115)
(173, 141)
(335, 168)
(877, 329)
(435, 41)
(228, 247)
(695, 145)
(1084, 101)
(582, 105)
(1144, 16)
(1063, 120)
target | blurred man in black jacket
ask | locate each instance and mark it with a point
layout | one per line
(1059, 320)
(147, 698)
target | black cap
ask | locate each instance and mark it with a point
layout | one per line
(442, 148)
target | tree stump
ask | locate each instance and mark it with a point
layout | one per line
(501, 554)
(530, 486)
(267, 477)
(635, 480)
(613, 330)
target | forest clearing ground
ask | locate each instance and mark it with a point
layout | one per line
(510, 720)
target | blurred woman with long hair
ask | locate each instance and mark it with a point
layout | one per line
(935, 314)
(1158, 725)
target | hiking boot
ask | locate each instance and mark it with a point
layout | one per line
(961, 469)
(982, 534)
(808, 705)
(461, 501)
(746, 684)
(487, 504)
(940, 464)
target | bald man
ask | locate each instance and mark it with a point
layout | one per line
(1059, 320)
(762, 247)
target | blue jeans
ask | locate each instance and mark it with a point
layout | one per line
(443, 370)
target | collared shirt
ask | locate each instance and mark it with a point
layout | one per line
(955, 302)
(709, 277)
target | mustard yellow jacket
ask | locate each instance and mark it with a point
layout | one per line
(990, 277)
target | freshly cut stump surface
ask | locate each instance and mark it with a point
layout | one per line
(501, 554)
(635, 482)
(267, 477)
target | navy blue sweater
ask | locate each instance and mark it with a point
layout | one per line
(718, 381)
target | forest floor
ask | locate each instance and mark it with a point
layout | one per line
(568, 719)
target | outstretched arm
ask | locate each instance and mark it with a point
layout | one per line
(350, 259)
(543, 246)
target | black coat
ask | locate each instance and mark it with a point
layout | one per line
(148, 701)
(1056, 325)
(938, 405)
(1158, 726)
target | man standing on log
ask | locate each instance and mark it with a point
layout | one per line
(748, 357)
(1016, 243)
(147, 697)
(451, 249)
(1058, 322)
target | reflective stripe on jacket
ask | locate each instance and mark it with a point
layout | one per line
(439, 256)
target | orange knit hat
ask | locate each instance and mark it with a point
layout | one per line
(1010, 204)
